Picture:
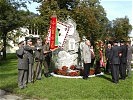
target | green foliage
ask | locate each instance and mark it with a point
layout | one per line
(89, 16)
(121, 28)
(95, 88)
(11, 18)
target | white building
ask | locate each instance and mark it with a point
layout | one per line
(24, 32)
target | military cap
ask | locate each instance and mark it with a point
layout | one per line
(122, 41)
(29, 40)
(39, 39)
(20, 41)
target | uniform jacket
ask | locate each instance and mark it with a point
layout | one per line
(46, 48)
(38, 52)
(22, 59)
(29, 51)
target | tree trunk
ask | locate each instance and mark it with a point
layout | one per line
(4, 45)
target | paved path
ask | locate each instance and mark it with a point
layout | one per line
(7, 96)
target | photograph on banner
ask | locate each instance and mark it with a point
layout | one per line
(63, 30)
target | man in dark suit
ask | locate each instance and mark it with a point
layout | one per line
(38, 59)
(115, 62)
(123, 60)
(22, 65)
(107, 55)
(29, 50)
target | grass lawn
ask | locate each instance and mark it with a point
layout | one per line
(95, 88)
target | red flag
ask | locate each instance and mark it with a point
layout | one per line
(53, 31)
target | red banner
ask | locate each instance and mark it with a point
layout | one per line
(53, 31)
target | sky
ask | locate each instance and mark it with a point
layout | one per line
(118, 9)
(113, 8)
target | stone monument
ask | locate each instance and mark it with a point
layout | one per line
(68, 52)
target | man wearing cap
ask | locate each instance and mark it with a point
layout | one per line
(22, 65)
(46, 58)
(29, 50)
(123, 60)
(38, 59)
(115, 62)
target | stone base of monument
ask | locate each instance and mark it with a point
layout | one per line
(62, 76)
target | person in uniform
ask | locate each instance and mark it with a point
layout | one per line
(115, 62)
(46, 51)
(29, 50)
(22, 65)
(86, 59)
(38, 59)
(123, 60)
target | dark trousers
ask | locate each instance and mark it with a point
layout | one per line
(108, 67)
(38, 69)
(115, 72)
(92, 62)
(30, 73)
(22, 78)
(86, 70)
(122, 70)
(45, 64)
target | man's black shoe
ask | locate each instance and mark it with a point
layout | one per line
(46, 75)
(85, 78)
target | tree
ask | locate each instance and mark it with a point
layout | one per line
(10, 18)
(89, 15)
(121, 28)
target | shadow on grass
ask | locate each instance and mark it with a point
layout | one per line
(105, 77)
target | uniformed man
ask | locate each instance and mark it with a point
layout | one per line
(46, 59)
(38, 59)
(22, 65)
(29, 50)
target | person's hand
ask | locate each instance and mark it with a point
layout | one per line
(120, 54)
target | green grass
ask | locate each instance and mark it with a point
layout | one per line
(96, 88)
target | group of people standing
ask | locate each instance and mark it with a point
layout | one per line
(30, 60)
(32, 57)
(118, 59)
